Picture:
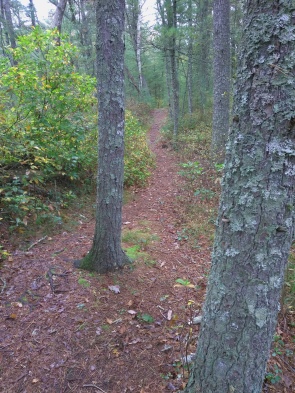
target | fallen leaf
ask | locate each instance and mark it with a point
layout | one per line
(17, 304)
(132, 312)
(114, 288)
(98, 331)
(169, 315)
(135, 341)
(35, 380)
(130, 303)
(109, 321)
(12, 316)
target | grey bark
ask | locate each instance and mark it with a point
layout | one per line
(7, 19)
(221, 75)
(190, 60)
(255, 224)
(86, 39)
(134, 22)
(204, 60)
(59, 13)
(174, 72)
(32, 12)
(168, 14)
(106, 253)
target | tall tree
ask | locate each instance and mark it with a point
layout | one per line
(221, 75)
(256, 213)
(7, 21)
(106, 253)
(32, 12)
(204, 49)
(168, 14)
(190, 58)
(59, 13)
(134, 22)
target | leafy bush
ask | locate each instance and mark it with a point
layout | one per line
(48, 130)
(48, 121)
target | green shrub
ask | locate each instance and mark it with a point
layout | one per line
(48, 131)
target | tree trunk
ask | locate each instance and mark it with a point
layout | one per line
(174, 72)
(32, 12)
(190, 60)
(256, 214)
(204, 60)
(106, 253)
(221, 75)
(6, 7)
(59, 13)
(134, 21)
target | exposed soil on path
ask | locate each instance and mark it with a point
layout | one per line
(65, 330)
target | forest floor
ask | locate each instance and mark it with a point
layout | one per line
(65, 330)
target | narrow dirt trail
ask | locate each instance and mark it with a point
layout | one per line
(64, 330)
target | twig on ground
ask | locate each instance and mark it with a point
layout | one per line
(4, 285)
(90, 385)
(21, 377)
(38, 241)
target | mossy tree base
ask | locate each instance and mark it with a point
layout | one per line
(100, 264)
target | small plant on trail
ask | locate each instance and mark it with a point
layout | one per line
(183, 282)
(204, 193)
(191, 170)
(147, 318)
(83, 282)
(275, 376)
(133, 252)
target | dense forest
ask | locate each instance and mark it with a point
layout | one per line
(147, 196)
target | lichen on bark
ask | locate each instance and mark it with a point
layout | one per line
(255, 225)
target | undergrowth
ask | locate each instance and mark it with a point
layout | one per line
(198, 202)
(48, 134)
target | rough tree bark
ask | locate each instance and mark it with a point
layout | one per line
(255, 225)
(221, 75)
(106, 253)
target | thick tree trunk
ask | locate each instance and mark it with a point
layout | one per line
(106, 253)
(256, 215)
(221, 75)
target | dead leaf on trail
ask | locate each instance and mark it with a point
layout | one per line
(17, 304)
(12, 316)
(130, 303)
(114, 288)
(109, 321)
(132, 312)
(135, 341)
(98, 331)
(35, 380)
(169, 315)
